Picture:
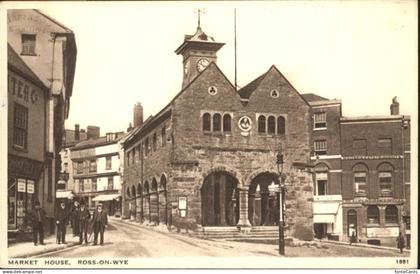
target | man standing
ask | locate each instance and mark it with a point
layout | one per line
(84, 217)
(400, 242)
(61, 219)
(75, 219)
(38, 219)
(100, 221)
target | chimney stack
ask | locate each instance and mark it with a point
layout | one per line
(76, 132)
(93, 132)
(395, 106)
(137, 115)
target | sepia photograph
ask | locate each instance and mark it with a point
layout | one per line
(244, 134)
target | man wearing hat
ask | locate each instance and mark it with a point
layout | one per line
(100, 221)
(38, 219)
(61, 219)
(84, 217)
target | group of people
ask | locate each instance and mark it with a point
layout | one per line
(400, 240)
(80, 218)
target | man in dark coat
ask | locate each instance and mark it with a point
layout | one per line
(61, 219)
(75, 219)
(400, 242)
(38, 220)
(84, 217)
(100, 221)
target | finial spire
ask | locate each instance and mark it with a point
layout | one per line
(199, 12)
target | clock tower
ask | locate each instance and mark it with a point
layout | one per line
(198, 51)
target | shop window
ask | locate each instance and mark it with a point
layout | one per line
(281, 125)
(271, 125)
(108, 164)
(320, 120)
(360, 180)
(217, 119)
(28, 44)
(227, 123)
(385, 146)
(206, 122)
(320, 147)
(261, 124)
(391, 214)
(110, 183)
(373, 214)
(359, 147)
(385, 183)
(20, 134)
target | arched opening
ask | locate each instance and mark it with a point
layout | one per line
(385, 178)
(139, 206)
(281, 125)
(154, 202)
(217, 122)
(263, 207)
(391, 214)
(133, 203)
(220, 200)
(373, 214)
(271, 125)
(352, 222)
(227, 123)
(146, 201)
(261, 124)
(163, 210)
(206, 122)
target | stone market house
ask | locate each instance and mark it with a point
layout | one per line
(207, 158)
(47, 49)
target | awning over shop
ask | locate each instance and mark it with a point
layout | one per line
(325, 212)
(106, 197)
(64, 194)
(326, 218)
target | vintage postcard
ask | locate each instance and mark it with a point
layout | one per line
(209, 134)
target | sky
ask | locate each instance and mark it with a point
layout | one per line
(362, 52)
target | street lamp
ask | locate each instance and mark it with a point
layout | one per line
(279, 163)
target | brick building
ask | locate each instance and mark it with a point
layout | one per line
(41, 62)
(208, 157)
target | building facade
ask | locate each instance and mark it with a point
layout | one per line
(95, 172)
(45, 49)
(208, 157)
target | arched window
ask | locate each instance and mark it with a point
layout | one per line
(261, 124)
(163, 133)
(360, 180)
(271, 125)
(146, 146)
(217, 122)
(206, 122)
(281, 125)
(391, 214)
(227, 121)
(154, 142)
(373, 214)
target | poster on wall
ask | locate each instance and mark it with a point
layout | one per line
(30, 187)
(21, 185)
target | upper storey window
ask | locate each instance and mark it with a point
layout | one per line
(28, 44)
(20, 134)
(320, 147)
(320, 120)
(271, 125)
(227, 123)
(385, 145)
(359, 147)
(216, 122)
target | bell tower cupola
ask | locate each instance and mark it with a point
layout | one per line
(198, 51)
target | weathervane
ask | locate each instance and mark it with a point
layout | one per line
(199, 12)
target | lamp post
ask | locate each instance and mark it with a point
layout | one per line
(279, 163)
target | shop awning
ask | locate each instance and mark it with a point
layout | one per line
(106, 197)
(325, 212)
(64, 194)
(325, 218)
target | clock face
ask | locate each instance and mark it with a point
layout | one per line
(202, 64)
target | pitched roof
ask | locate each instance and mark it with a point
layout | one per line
(311, 97)
(54, 21)
(247, 90)
(16, 63)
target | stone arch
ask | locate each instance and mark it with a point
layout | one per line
(319, 167)
(146, 201)
(360, 165)
(163, 199)
(233, 172)
(258, 172)
(385, 166)
(154, 202)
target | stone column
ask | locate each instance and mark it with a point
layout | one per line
(243, 207)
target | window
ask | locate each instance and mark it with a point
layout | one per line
(154, 142)
(81, 186)
(320, 120)
(79, 167)
(20, 134)
(320, 147)
(12, 86)
(94, 185)
(28, 44)
(108, 164)
(385, 146)
(281, 125)
(227, 121)
(373, 214)
(360, 183)
(261, 124)
(217, 120)
(274, 93)
(359, 147)
(110, 183)
(391, 215)
(212, 90)
(321, 183)
(385, 183)
(139, 151)
(206, 122)
(271, 125)
(163, 133)
(66, 167)
(146, 146)
(92, 166)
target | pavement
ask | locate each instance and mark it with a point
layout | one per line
(126, 239)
